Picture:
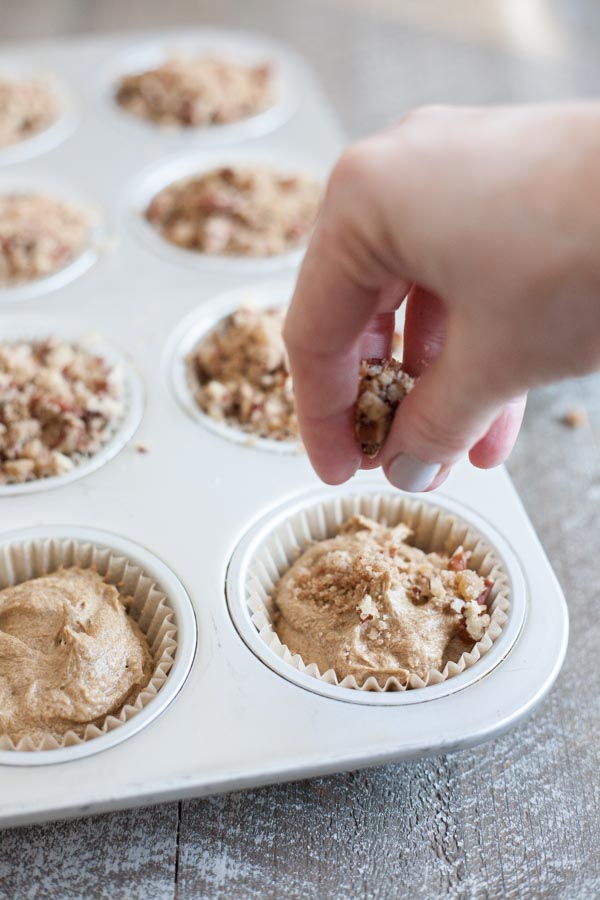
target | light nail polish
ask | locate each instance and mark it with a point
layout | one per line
(411, 474)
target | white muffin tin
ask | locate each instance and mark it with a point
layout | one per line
(194, 496)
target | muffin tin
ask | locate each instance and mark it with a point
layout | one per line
(192, 506)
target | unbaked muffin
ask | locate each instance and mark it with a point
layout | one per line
(69, 654)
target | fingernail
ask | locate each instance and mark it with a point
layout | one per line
(411, 474)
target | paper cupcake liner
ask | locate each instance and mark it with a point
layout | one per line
(434, 529)
(149, 607)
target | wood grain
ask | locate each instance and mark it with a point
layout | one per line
(515, 818)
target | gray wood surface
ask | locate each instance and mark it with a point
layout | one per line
(517, 817)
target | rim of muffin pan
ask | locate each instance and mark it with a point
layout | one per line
(38, 328)
(198, 325)
(177, 600)
(58, 131)
(177, 167)
(280, 520)
(146, 54)
(96, 244)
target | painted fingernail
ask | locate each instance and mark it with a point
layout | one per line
(411, 474)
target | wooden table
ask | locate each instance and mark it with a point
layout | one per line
(517, 817)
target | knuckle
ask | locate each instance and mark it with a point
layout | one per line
(440, 439)
(354, 168)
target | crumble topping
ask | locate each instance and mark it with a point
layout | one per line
(237, 211)
(416, 611)
(383, 385)
(58, 404)
(240, 375)
(38, 235)
(69, 654)
(27, 107)
(197, 91)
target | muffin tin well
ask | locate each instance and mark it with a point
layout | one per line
(161, 608)
(146, 54)
(192, 509)
(274, 542)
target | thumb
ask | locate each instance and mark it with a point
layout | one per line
(449, 410)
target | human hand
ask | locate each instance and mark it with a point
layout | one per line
(489, 220)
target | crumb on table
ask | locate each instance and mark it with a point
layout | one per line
(576, 417)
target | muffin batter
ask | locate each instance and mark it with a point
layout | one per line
(38, 235)
(237, 212)
(367, 603)
(69, 654)
(383, 385)
(26, 108)
(58, 404)
(188, 92)
(240, 374)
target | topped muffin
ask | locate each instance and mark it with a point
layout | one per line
(239, 374)
(27, 107)
(39, 234)
(59, 403)
(241, 211)
(367, 603)
(197, 91)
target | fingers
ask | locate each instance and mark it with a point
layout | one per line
(495, 447)
(343, 284)
(424, 330)
(450, 409)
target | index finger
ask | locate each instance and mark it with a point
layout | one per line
(331, 308)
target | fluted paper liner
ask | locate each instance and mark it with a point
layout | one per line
(149, 608)
(434, 529)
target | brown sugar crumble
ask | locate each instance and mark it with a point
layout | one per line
(383, 385)
(239, 374)
(197, 91)
(366, 602)
(38, 235)
(27, 107)
(237, 211)
(58, 405)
